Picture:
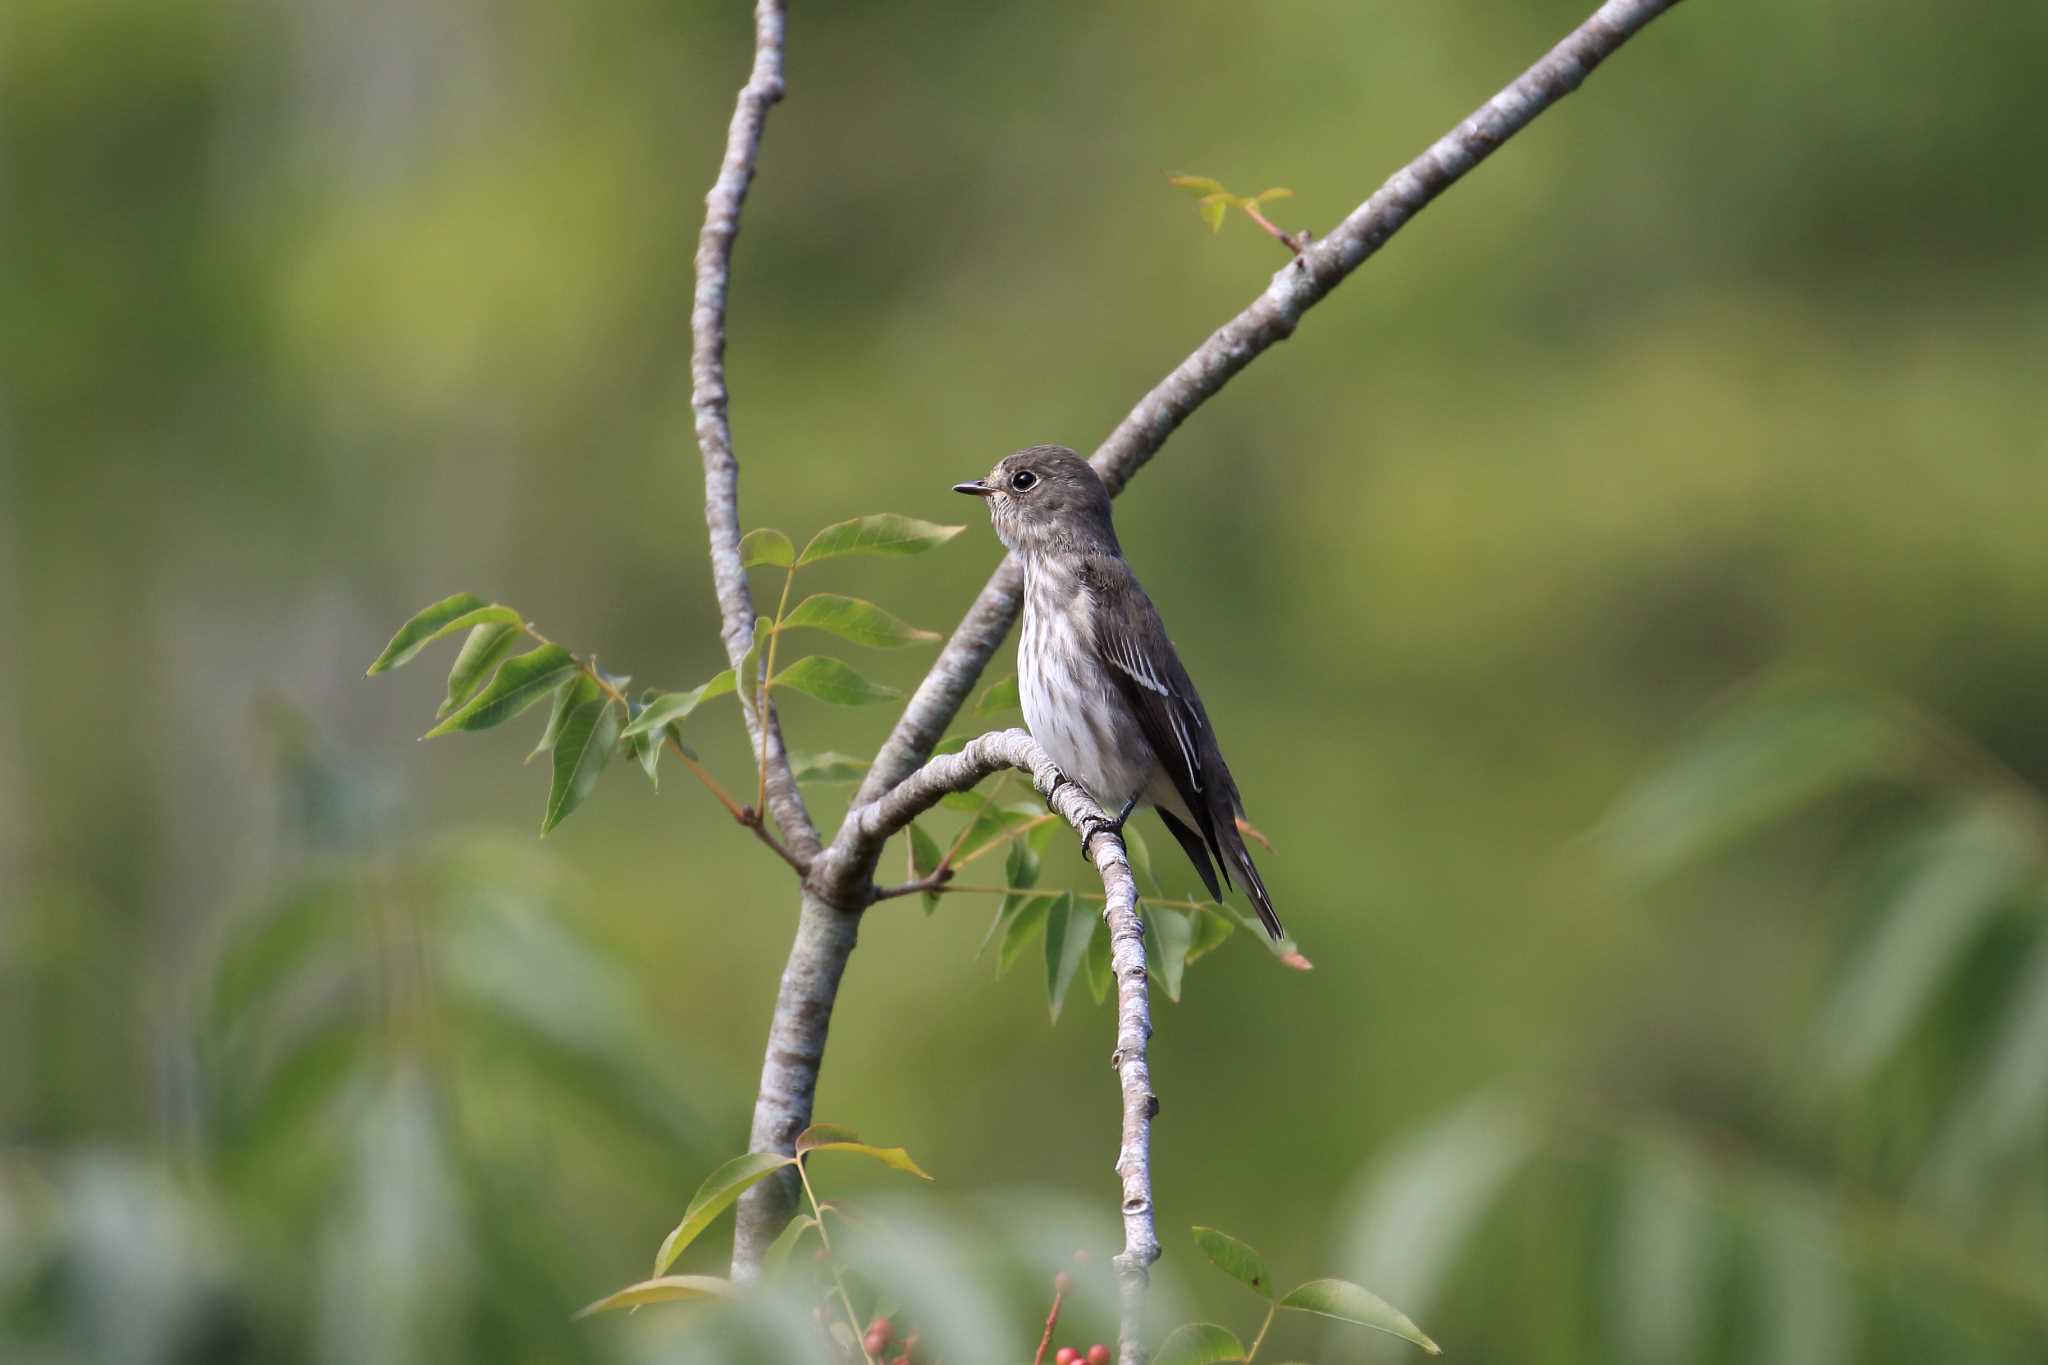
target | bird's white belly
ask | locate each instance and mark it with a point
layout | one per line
(1074, 709)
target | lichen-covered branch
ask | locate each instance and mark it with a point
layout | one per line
(709, 400)
(1270, 318)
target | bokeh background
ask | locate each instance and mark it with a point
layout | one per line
(1632, 1036)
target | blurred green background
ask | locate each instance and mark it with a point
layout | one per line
(311, 313)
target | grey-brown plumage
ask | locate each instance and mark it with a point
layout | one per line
(1101, 686)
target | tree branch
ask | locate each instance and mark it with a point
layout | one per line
(708, 399)
(981, 757)
(1272, 317)
(840, 880)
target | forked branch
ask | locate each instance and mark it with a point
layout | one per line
(1271, 317)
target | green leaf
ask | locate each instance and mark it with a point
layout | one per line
(1200, 185)
(828, 679)
(1021, 872)
(1235, 1259)
(827, 767)
(1199, 1343)
(519, 684)
(1213, 208)
(1027, 920)
(484, 650)
(830, 1137)
(1000, 696)
(662, 1289)
(1211, 930)
(588, 738)
(673, 706)
(1934, 902)
(993, 823)
(1140, 854)
(924, 860)
(884, 534)
(446, 616)
(1268, 196)
(766, 546)
(1348, 1302)
(855, 619)
(951, 744)
(776, 1258)
(1168, 936)
(1069, 928)
(1101, 968)
(924, 851)
(646, 751)
(568, 697)
(714, 1196)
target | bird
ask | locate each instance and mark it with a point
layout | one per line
(1101, 686)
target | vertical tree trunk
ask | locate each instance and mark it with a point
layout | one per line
(825, 936)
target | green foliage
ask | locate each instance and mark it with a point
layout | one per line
(714, 1197)
(667, 708)
(718, 1193)
(829, 680)
(1200, 1343)
(997, 697)
(1915, 1080)
(883, 535)
(592, 717)
(827, 767)
(486, 648)
(581, 751)
(766, 546)
(1213, 201)
(520, 683)
(1235, 1258)
(1070, 927)
(851, 618)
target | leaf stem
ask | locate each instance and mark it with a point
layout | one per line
(1257, 1341)
(838, 1279)
(749, 817)
(1286, 238)
(1052, 1317)
(768, 673)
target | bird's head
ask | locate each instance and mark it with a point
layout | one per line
(1046, 499)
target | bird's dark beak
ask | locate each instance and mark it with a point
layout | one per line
(974, 489)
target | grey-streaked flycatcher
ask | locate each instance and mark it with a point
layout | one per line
(1101, 685)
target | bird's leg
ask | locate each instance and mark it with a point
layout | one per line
(1115, 826)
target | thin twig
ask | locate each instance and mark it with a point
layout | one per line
(1052, 1316)
(709, 400)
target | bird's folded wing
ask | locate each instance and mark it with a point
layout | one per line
(1133, 645)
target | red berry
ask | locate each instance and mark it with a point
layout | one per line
(1098, 1354)
(1066, 1355)
(883, 1327)
(877, 1341)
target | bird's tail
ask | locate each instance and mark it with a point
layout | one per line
(1232, 853)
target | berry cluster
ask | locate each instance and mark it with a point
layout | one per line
(1098, 1354)
(881, 1334)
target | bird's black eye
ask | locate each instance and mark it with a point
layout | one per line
(1023, 480)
